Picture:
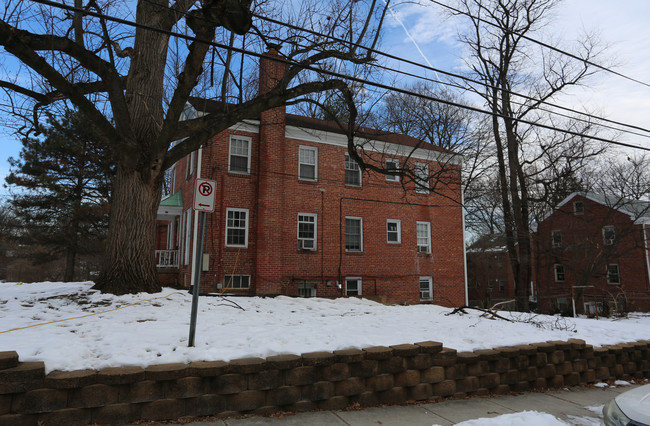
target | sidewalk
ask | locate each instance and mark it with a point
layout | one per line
(561, 404)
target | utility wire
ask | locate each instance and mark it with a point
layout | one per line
(448, 73)
(339, 75)
(242, 51)
(541, 43)
(458, 86)
(465, 78)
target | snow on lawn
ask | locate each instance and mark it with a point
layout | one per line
(156, 330)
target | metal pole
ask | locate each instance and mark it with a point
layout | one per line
(197, 279)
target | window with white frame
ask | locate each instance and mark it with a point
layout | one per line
(393, 231)
(423, 230)
(189, 164)
(173, 180)
(421, 178)
(237, 228)
(353, 234)
(236, 281)
(308, 163)
(306, 290)
(426, 288)
(556, 239)
(187, 227)
(559, 273)
(593, 308)
(578, 207)
(353, 286)
(608, 235)
(613, 275)
(352, 172)
(170, 234)
(392, 164)
(307, 224)
(239, 158)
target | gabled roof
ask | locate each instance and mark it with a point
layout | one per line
(639, 211)
(492, 243)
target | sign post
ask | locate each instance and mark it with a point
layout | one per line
(204, 192)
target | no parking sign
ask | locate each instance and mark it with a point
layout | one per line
(204, 191)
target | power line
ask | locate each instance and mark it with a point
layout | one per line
(541, 43)
(339, 75)
(454, 75)
(458, 86)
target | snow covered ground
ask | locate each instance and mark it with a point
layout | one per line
(531, 418)
(69, 326)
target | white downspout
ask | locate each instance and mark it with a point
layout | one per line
(195, 223)
(647, 253)
(462, 199)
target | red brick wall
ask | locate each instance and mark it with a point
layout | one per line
(274, 196)
(272, 257)
(485, 267)
(585, 257)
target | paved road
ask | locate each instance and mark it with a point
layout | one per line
(562, 404)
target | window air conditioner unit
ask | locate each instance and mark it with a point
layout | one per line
(305, 244)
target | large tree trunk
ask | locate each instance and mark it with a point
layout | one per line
(130, 248)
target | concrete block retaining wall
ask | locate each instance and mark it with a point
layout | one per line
(318, 380)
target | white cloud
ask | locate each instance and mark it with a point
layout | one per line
(621, 26)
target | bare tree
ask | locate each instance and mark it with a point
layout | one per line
(503, 60)
(456, 129)
(628, 178)
(133, 82)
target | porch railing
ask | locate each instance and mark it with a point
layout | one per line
(167, 258)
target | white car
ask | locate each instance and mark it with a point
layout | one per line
(631, 408)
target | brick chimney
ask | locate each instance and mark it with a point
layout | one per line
(271, 71)
(271, 191)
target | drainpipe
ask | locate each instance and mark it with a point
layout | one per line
(195, 222)
(462, 206)
(647, 252)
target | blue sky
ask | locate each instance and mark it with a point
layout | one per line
(622, 26)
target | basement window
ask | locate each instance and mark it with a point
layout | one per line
(353, 286)
(236, 281)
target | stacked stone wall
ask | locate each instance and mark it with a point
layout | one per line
(424, 371)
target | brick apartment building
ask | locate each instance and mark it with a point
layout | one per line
(489, 275)
(296, 216)
(593, 250)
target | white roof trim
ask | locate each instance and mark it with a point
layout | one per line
(390, 149)
(337, 139)
(588, 196)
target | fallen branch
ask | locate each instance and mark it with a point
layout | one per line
(487, 313)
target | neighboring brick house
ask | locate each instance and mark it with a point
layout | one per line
(592, 250)
(296, 216)
(489, 275)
